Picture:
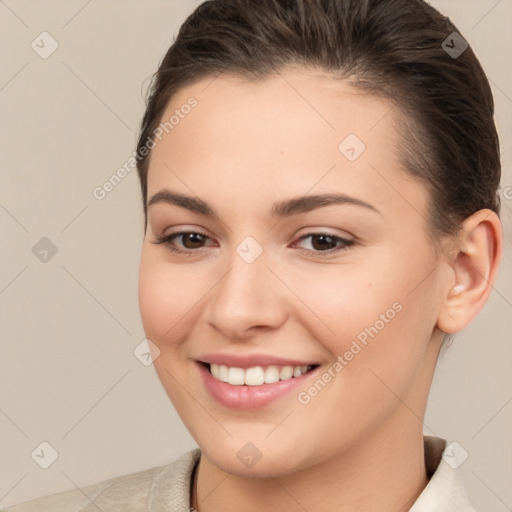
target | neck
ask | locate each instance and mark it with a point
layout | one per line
(384, 472)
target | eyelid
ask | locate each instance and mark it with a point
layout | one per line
(185, 229)
(314, 230)
(345, 243)
(167, 238)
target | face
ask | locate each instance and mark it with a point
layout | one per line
(300, 252)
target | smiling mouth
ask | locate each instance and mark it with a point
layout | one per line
(256, 375)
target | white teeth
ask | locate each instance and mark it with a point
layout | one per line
(256, 375)
(286, 373)
(271, 374)
(223, 373)
(236, 376)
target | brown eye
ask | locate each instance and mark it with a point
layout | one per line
(325, 243)
(192, 240)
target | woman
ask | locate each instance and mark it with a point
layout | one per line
(320, 191)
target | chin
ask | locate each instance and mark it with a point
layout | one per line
(258, 455)
(249, 461)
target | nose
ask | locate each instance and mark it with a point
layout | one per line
(248, 299)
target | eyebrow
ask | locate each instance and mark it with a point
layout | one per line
(281, 209)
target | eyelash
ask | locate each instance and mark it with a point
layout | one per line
(166, 240)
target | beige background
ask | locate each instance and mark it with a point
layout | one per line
(70, 325)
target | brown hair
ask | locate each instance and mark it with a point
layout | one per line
(393, 48)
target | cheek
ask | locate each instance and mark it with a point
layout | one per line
(344, 300)
(380, 333)
(378, 305)
(167, 296)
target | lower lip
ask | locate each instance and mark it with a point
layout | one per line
(249, 397)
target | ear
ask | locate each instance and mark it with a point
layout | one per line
(474, 261)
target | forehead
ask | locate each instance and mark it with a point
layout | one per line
(293, 131)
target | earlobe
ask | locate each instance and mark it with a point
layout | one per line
(473, 271)
(457, 289)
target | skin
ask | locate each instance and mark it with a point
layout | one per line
(358, 444)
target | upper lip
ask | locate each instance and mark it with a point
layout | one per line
(251, 360)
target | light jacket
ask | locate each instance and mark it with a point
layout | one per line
(167, 488)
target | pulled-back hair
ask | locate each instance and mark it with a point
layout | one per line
(392, 48)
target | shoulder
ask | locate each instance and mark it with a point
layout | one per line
(134, 492)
